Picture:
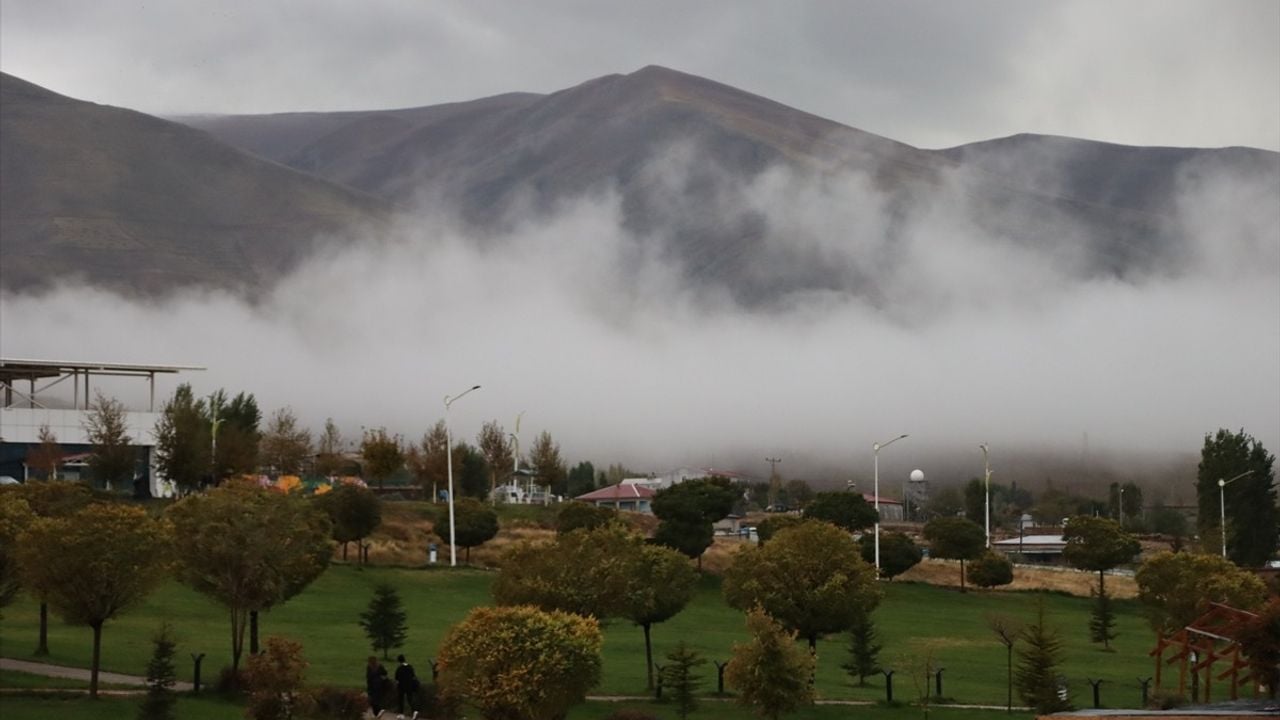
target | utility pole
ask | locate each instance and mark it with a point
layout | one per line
(773, 480)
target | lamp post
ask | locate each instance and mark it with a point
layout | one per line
(875, 451)
(1222, 506)
(515, 458)
(986, 474)
(448, 435)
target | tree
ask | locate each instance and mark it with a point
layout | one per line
(48, 500)
(249, 549)
(680, 679)
(46, 458)
(15, 517)
(809, 577)
(495, 445)
(798, 493)
(771, 525)
(544, 456)
(583, 516)
(769, 672)
(975, 501)
(285, 446)
(898, 553)
(471, 471)
(991, 569)
(161, 675)
(1130, 502)
(1172, 523)
(1038, 660)
(354, 512)
(113, 458)
(1178, 587)
(385, 621)
(433, 470)
(383, 455)
(183, 452)
(581, 479)
(1253, 522)
(690, 538)
(688, 511)
(661, 584)
(954, 538)
(234, 424)
(95, 564)
(1102, 619)
(1259, 638)
(477, 524)
(864, 650)
(587, 572)
(329, 450)
(846, 510)
(520, 663)
(1098, 544)
(1007, 631)
(947, 502)
(275, 679)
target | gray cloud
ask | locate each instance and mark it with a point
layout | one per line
(931, 74)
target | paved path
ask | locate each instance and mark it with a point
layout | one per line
(73, 673)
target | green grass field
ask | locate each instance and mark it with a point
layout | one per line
(912, 621)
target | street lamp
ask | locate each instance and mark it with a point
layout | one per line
(453, 550)
(986, 474)
(1222, 506)
(875, 451)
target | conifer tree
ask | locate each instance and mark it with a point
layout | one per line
(1038, 659)
(1102, 620)
(161, 673)
(680, 680)
(385, 621)
(864, 649)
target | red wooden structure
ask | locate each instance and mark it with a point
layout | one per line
(1199, 646)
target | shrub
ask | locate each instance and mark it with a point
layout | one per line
(335, 703)
(274, 679)
(630, 714)
(990, 570)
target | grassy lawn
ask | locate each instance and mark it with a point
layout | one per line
(31, 707)
(913, 620)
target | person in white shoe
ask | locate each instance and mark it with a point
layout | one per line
(406, 686)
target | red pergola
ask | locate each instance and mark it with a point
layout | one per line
(1198, 646)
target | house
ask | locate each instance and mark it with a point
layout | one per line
(890, 510)
(1046, 549)
(632, 497)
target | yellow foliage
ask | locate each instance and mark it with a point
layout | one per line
(288, 483)
(323, 489)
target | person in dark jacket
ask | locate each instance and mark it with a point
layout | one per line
(406, 685)
(375, 684)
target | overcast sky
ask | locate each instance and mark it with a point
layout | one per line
(932, 74)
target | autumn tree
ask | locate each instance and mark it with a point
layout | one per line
(544, 456)
(113, 460)
(51, 500)
(94, 564)
(846, 510)
(248, 549)
(991, 569)
(769, 672)
(183, 451)
(274, 679)
(432, 467)
(520, 663)
(773, 524)
(1176, 588)
(587, 572)
(15, 517)
(1098, 544)
(354, 513)
(46, 458)
(954, 538)
(234, 423)
(1253, 521)
(898, 553)
(1259, 638)
(285, 446)
(385, 621)
(661, 584)
(476, 524)
(383, 455)
(809, 577)
(495, 445)
(1038, 661)
(329, 450)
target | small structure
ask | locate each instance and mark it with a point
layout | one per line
(728, 525)
(890, 510)
(623, 496)
(1043, 549)
(1211, 639)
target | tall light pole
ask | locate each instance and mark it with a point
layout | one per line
(875, 451)
(515, 458)
(773, 482)
(1222, 506)
(448, 453)
(986, 475)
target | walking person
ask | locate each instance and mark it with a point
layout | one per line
(406, 686)
(375, 684)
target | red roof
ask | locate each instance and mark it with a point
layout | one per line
(883, 500)
(621, 491)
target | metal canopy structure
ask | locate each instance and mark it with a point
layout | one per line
(15, 370)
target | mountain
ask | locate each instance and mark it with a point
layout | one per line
(131, 202)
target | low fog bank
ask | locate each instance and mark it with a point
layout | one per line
(602, 340)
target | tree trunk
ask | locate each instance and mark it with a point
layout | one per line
(648, 654)
(813, 644)
(962, 575)
(699, 564)
(253, 632)
(97, 656)
(468, 557)
(344, 552)
(1008, 661)
(237, 638)
(42, 647)
(1101, 580)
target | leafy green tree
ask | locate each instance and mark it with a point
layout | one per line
(183, 452)
(947, 502)
(975, 501)
(773, 524)
(583, 516)
(991, 569)
(95, 564)
(248, 549)
(1038, 661)
(688, 511)
(161, 676)
(234, 425)
(864, 650)
(581, 479)
(476, 525)
(495, 445)
(385, 622)
(691, 538)
(114, 459)
(1170, 522)
(1259, 637)
(809, 577)
(1098, 544)
(471, 471)
(1130, 502)
(285, 446)
(662, 583)
(1177, 588)
(354, 513)
(845, 510)
(329, 450)
(898, 553)
(15, 517)
(544, 456)
(680, 678)
(1253, 521)
(383, 455)
(954, 538)
(520, 663)
(798, 493)
(770, 673)
(587, 572)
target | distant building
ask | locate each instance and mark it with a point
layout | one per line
(890, 510)
(1046, 549)
(623, 496)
